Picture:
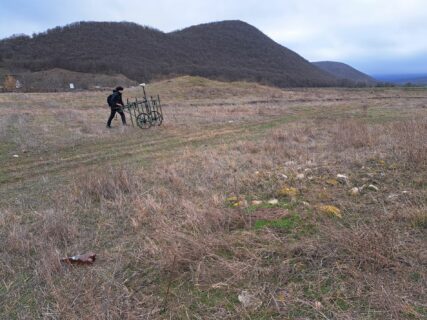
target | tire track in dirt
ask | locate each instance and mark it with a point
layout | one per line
(87, 151)
(29, 181)
(94, 148)
(37, 185)
(109, 152)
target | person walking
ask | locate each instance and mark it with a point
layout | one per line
(116, 105)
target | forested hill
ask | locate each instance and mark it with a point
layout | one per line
(343, 71)
(228, 50)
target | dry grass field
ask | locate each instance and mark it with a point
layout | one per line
(249, 202)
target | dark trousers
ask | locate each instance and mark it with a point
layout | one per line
(113, 113)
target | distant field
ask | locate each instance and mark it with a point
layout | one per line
(179, 215)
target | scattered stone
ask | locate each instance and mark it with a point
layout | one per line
(273, 201)
(342, 178)
(281, 296)
(373, 188)
(237, 202)
(15, 156)
(393, 197)
(318, 305)
(219, 285)
(241, 203)
(257, 173)
(87, 258)
(300, 176)
(256, 202)
(331, 210)
(249, 300)
(284, 176)
(405, 192)
(288, 192)
(308, 173)
(231, 199)
(306, 204)
(355, 191)
(332, 182)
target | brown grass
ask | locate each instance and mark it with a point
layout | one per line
(170, 245)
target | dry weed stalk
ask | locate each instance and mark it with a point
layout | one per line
(169, 246)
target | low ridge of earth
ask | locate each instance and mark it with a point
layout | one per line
(248, 202)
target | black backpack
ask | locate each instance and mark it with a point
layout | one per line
(110, 100)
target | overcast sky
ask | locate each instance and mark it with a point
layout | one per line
(375, 36)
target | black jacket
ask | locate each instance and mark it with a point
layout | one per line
(117, 98)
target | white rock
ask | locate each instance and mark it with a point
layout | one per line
(393, 196)
(284, 176)
(256, 202)
(342, 178)
(354, 191)
(308, 173)
(300, 176)
(273, 201)
(249, 300)
(373, 188)
(15, 156)
(219, 285)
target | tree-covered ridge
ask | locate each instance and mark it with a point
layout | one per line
(228, 50)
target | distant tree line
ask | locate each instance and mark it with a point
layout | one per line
(227, 51)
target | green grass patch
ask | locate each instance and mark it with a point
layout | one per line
(217, 297)
(422, 310)
(285, 223)
(342, 304)
(415, 277)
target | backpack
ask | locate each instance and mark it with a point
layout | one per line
(110, 100)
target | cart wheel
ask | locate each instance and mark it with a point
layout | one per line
(156, 118)
(143, 121)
